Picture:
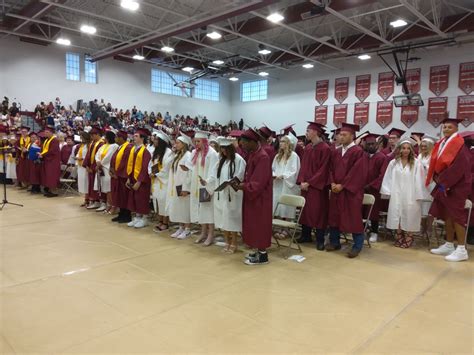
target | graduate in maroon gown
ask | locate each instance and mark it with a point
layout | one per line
(348, 177)
(313, 179)
(51, 163)
(237, 143)
(66, 150)
(138, 181)
(393, 137)
(257, 213)
(22, 174)
(90, 164)
(118, 173)
(378, 163)
(266, 136)
(469, 141)
(450, 169)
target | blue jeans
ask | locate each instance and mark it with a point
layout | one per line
(335, 235)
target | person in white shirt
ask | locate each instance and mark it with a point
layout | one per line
(426, 147)
(82, 174)
(228, 202)
(179, 186)
(161, 159)
(102, 179)
(403, 183)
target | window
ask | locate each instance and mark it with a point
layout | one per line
(207, 90)
(73, 69)
(161, 82)
(90, 70)
(254, 90)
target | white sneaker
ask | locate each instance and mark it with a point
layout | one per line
(184, 234)
(178, 232)
(373, 237)
(142, 222)
(133, 222)
(93, 206)
(457, 255)
(444, 249)
(102, 207)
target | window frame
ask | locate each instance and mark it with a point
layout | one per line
(73, 63)
(251, 91)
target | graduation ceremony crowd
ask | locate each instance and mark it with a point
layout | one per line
(185, 172)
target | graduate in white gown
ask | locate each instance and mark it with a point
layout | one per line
(404, 185)
(286, 167)
(180, 182)
(228, 202)
(102, 178)
(159, 168)
(203, 160)
(11, 161)
(426, 147)
(82, 174)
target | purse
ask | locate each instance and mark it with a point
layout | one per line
(204, 195)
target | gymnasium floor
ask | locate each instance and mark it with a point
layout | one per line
(73, 282)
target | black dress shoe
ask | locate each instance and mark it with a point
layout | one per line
(50, 194)
(124, 220)
(320, 246)
(330, 247)
(353, 254)
(115, 219)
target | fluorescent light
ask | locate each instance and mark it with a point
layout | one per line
(263, 73)
(275, 17)
(233, 78)
(398, 23)
(214, 35)
(308, 66)
(188, 69)
(211, 67)
(131, 5)
(264, 51)
(63, 41)
(88, 29)
(364, 57)
(167, 49)
(218, 62)
(138, 57)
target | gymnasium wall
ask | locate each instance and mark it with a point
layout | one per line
(33, 73)
(291, 94)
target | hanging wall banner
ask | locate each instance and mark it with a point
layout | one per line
(437, 108)
(341, 89)
(409, 115)
(413, 77)
(321, 114)
(362, 87)
(322, 91)
(384, 113)
(386, 85)
(361, 113)
(466, 109)
(340, 114)
(466, 77)
(439, 79)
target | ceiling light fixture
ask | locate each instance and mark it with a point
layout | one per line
(233, 78)
(398, 23)
(263, 73)
(218, 62)
(308, 66)
(275, 17)
(364, 57)
(131, 5)
(264, 51)
(167, 49)
(214, 35)
(138, 57)
(188, 69)
(88, 29)
(63, 41)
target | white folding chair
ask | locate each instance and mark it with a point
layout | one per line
(438, 223)
(368, 201)
(68, 183)
(297, 202)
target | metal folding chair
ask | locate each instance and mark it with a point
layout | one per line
(291, 201)
(439, 224)
(68, 183)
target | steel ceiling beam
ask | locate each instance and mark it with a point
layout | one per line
(423, 18)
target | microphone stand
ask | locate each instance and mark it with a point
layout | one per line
(5, 201)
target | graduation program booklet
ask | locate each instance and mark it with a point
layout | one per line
(227, 183)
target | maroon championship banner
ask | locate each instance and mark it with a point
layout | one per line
(341, 89)
(340, 114)
(466, 109)
(409, 115)
(413, 77)
(384, 113)
(322, 91)
(362, 87)
(386, 85)
(439, 79)
(361, 113)
(321, 114)
(466, 77)
(437, 108)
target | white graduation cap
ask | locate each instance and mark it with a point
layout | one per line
(409, 140)
(202, 135)
(185, 139)
(293, 140)
(225, 142)
(430, 139)
(162, 135)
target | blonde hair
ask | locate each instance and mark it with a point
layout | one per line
(429, 145)
(284, 153)
(411, 156)
(178, 156)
